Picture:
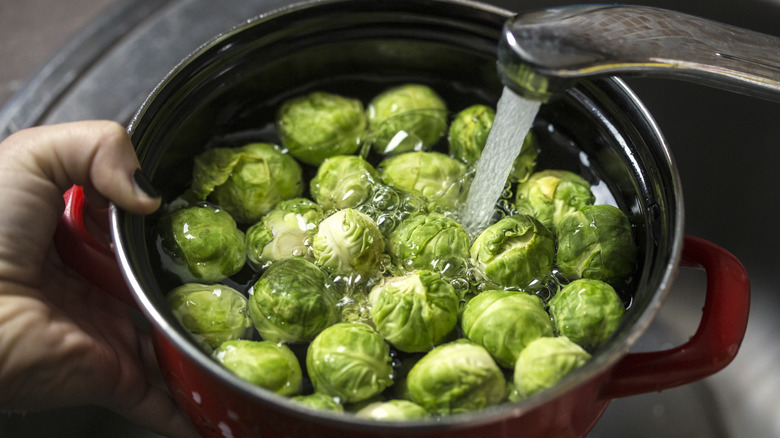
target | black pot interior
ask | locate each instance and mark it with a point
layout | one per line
(229, 93)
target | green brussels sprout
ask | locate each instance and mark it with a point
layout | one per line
(349, 242)
(318, 401)
(549, 195)
(432, 241)
(456, 377)
(349, 361)
(597, 242)
(293, 301)
(284, 232)
(248, 181)
(414, 312)
(517, 251)
(344, 181)
(469, 132)
(587, 311)
(504, 322)
(320, 125)
(212, 314)
(266, 364)
(544, 362)
(468, 135)
(203, 242)
(392, 410)
(406, 118)
(432, 175)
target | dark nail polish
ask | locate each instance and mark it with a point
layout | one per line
(144, 184)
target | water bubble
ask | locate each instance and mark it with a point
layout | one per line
(460, 284)
(412, 204)
(386, 223)
(386, 199)
(354, 307)
(385, 264)
(367, 209)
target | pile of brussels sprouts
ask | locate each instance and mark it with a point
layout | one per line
(368, 295)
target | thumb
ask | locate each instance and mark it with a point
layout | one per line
(37, 165)
(97, 155)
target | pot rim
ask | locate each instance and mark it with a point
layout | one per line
(601, 363)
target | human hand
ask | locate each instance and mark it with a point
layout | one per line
(62, 341)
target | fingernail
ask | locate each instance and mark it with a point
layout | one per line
(143, 183)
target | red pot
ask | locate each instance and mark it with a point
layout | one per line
(218, 95)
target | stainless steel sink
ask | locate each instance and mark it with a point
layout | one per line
(726, 146)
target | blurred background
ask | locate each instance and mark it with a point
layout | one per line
(84, 59)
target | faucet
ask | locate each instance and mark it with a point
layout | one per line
(543, 53)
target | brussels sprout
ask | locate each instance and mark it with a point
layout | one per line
(392, 410)
(349, 361)
(266, 364)
(549, 195)
(345, 181)
(504, 322)
(204, 243)
(320, 125)
(587, 311)
(544, 362)
(406, 118)
(349, 242)
(468, 135)
(456, 377)
(433, 241)
(414, 312)
(432, 175)
(284, 232)
(517, 251)
(212, 314)
(469, 132)
(318, 401)
(597, 242)
(292, 301)
(247, 182)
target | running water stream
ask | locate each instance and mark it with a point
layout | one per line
(514, 117)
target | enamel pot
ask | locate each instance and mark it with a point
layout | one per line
(227, 92)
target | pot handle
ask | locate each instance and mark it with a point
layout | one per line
(717, 339)
(86, 256)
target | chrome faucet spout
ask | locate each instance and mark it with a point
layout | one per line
(545, 52)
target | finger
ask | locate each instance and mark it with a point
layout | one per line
(95, 154)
